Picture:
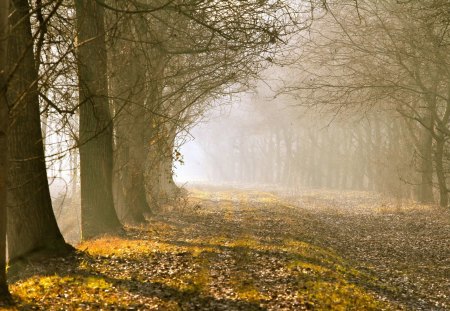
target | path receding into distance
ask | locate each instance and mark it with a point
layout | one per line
(229, 249)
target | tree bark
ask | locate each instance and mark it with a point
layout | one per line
(170, 188)
(130, 156)
(132, 126)
(98, 215)
(159, 183)
(440, 171)
(31, 223)
(426, 167)
(157, 140)
(426, 185)
(441, 136)
(4, 165)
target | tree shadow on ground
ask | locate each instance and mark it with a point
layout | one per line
(142, 294)
(249, 252)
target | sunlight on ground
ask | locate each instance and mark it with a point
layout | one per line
(172, 261)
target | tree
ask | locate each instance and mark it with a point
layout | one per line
(388, 56)
(32, 226)
(96, 140)
(171, 77)
(4, 165)
(129, 82)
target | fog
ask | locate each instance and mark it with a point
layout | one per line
(225, 155)
(212, 141)
(266, 138)
(335, 109)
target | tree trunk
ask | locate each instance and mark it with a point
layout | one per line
(157, 138)
(161, 188)
(170, 187)
(130, 156)
(98, 215)
(132, 126)
(426, 185)
(287, 168)
(426, 167)
(31, 225)
(440, 171)
(4, 165)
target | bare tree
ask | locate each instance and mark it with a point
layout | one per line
(388, 56)
(178, 58)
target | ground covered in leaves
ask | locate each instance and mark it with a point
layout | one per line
(253, 250)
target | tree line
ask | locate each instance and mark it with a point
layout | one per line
(116, 82)
(113, 85)
(364, 105)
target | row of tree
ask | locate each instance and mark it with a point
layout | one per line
(391, 57)
(118, 81)
(371, 152)
(367, 106)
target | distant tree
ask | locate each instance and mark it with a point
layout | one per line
(169, 61)
(4, 165)
(387, 56)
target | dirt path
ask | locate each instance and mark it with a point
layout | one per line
(251, 250)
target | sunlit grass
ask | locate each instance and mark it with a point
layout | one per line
(112, 246)
(76, 291)
(339, 295)
(246, 290)
(324, 284)
(199, 194)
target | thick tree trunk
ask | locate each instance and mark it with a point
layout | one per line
(151, 176)
(4, 165)
(31, 225)
(130, 156)
(98, 215)
(170, 187)
(443, 134)
(132, 126)
(157, 137)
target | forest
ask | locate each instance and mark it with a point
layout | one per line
(224, 155)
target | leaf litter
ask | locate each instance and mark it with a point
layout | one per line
(255, 250)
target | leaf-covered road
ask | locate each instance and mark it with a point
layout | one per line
(405, 245)
(251, 250)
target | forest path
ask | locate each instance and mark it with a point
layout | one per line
(251, 250)
(405, 245)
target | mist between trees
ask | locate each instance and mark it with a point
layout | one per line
(364, 106)
(98, 97)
